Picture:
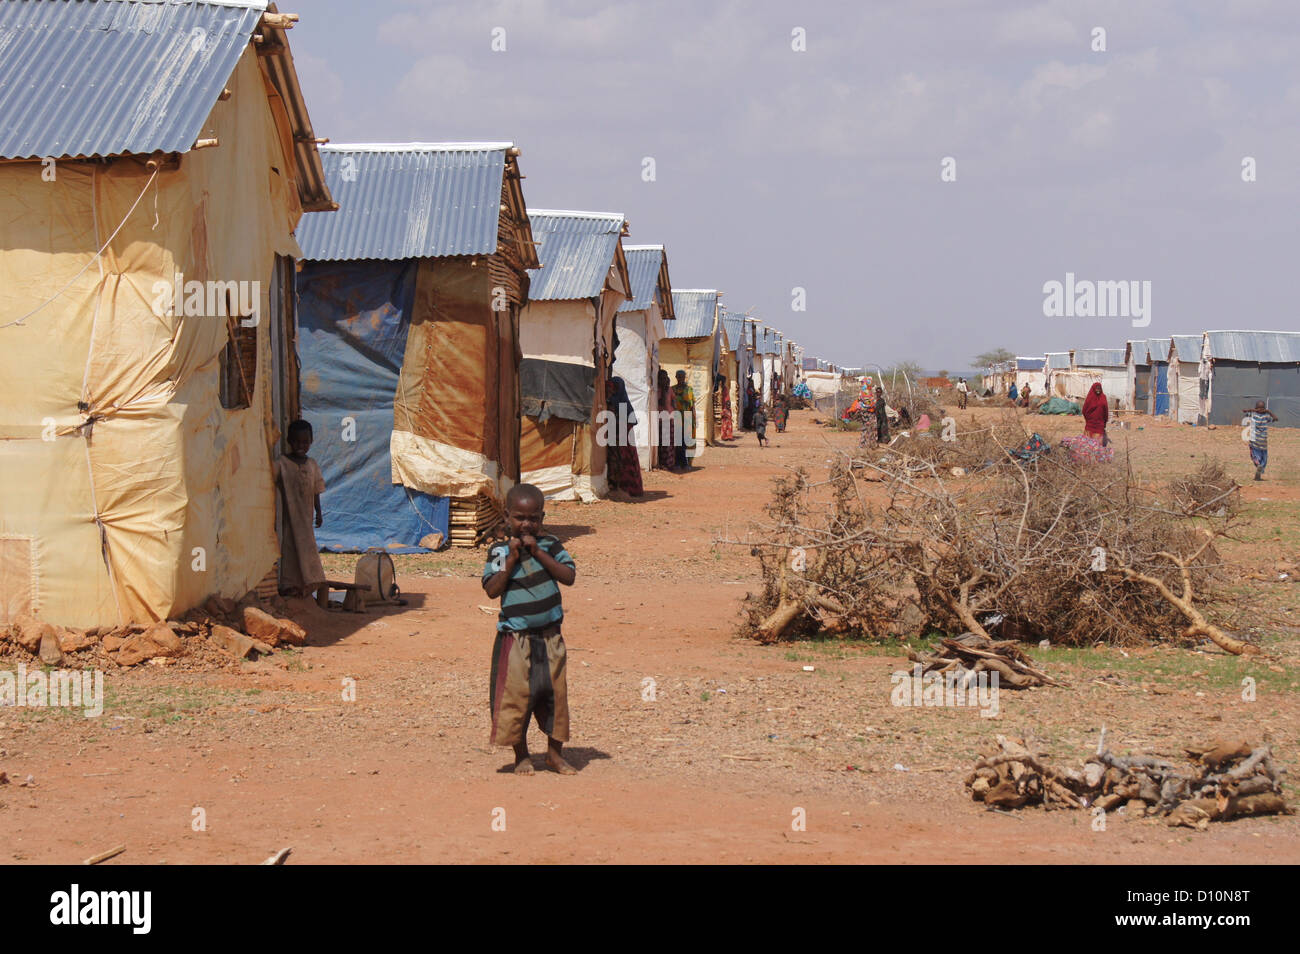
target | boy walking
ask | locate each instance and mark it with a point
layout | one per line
(760, 425)
(1260, 417)
(528, 656)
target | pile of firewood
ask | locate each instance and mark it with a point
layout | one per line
(970, 653)
(1227, 780)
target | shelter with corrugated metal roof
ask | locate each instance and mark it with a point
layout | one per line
(567, 334)
(410, 301)
(158, 157)
(1137, 368)
(1031, 373)
(1158, 388)
(768, 363)
(1239, 368)
(1105, 366)
(735, 364)
(639, 329)
(692, 343)
(1184, 378)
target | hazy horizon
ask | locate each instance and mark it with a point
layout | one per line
(820, 169)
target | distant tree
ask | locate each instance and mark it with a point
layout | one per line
(909, 368)
(943, 374)
(996, 356)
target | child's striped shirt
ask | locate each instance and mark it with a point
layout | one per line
(531, 599)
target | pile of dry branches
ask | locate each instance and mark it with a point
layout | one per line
(969, 654)
(1206, 491)
(1228, 780)
(1074, 553)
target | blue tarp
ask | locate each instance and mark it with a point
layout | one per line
(352, 324)
(1162, 389)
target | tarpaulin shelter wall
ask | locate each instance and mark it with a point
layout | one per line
(736, 361)
(1239, 368)
(1185, 379)
(636, 361)
(169, 497)
(1031, 371)
(566, 334)
(414, 290)
(563, 457)
(1075, 383)
(1109, 367)
(822, 383)
(640, 327)
(1158, 388)
(444, 408)
(1138, 372)
(354, 319)
(1054, 361)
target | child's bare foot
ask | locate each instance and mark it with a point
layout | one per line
(523, 761)
(557, 764)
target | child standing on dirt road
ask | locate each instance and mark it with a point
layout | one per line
(760, 425)
(528, 656)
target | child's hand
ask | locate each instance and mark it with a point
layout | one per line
(515, 545)
(530, 544)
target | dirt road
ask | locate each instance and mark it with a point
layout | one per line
(717, 759)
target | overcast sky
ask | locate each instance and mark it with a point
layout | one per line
(820, 169)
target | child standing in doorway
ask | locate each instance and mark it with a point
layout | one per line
(301, 484)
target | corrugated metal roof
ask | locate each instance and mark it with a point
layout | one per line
(413, 200)
(1158, 350)
(1099, 358)
(1265, 347)
(695, 309)
(109, 77)
(735, 328)
(1139, 350)
(576, 250)
(644, 263)
(767, 341)
(1029, 364)
(1057, 360)
(1186, 347)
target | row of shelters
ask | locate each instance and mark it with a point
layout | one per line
(1205, 378)
(187, 268)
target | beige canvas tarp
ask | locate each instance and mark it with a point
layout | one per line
(456, 410)
(567, 331)
(168, 497)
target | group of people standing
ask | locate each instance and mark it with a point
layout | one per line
(676, 403)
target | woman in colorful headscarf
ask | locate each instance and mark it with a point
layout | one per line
(667, 438)
(620, 453)
(751, 402)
